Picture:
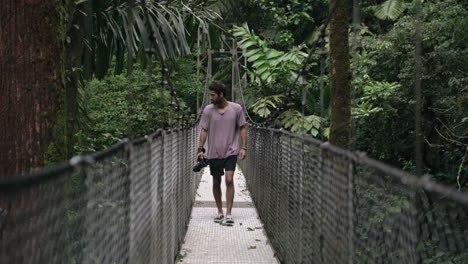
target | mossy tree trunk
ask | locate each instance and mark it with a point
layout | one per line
(31, 81)
(31, 122)
(340, 74)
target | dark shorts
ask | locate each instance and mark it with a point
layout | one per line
(218, 166)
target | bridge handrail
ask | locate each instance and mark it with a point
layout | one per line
(323, 204)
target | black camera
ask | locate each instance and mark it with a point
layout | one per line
(202, 162)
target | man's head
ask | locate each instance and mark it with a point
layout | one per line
(217, 92)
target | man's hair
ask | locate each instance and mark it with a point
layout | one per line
(218, 87)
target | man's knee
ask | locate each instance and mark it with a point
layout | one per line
(229, 178)
(217, 182)
(229, 182)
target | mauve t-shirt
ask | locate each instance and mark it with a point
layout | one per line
(223, 130)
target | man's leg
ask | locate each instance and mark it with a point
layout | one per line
(217, 193)
(229, 191)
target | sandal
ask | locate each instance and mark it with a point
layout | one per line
(229, 221)
(219, 218)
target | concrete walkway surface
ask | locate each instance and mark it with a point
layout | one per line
(209, 242)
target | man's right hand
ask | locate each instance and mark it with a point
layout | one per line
(199, 155)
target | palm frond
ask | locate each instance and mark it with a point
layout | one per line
(390, 9)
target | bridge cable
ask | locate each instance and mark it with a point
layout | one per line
(354, 46)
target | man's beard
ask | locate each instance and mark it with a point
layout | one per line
(216, 102)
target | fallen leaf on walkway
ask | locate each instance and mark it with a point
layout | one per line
(258, 227)
(180, 257)
(257, 240)
(252, 247)
(250, 229)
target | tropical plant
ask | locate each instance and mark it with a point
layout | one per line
(153, 27)
(387, 59)
(290, 22)
(111, 34)
(298, 123)
(390, 9)
(264, 106)
(269, 64)
(119, 106)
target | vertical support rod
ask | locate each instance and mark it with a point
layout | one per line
(356, 32)
(417, 89)
(350, 212)
(233, 70)
(198, 65)
(209, 73)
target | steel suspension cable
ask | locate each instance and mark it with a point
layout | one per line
(354, 45)
(417, 88)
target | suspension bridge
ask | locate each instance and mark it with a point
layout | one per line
(318, 204)
(134, 202)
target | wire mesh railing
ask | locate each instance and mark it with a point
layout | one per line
(321, 204)
(129, 204)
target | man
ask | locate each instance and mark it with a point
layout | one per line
(223, 123)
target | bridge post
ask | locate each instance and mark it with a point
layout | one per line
(157, 190)
(337, 206)
(141, 232)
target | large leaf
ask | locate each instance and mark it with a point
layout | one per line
(259, 63)
(253, 52)
(244, 44)
(262, 69)
(390, 9)
(118, 24)
(271, 53)
(255, 57)
(268, 64)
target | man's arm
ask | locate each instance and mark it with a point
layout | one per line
(243, 134)
(203, 136)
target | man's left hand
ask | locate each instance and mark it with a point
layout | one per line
(242, 154)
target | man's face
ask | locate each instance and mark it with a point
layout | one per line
(215, 98)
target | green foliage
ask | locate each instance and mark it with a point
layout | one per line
(390, 9)
(269, 64)
(297, 123)
(273, 73)
(118, 107)
(117, 24)
(187, 83)
(384, 81)
(290, 23)
(374, 96)
(264, 106)
(124, 32)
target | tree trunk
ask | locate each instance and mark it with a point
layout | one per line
(340, 74)
(31, 81)
(32, 89)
